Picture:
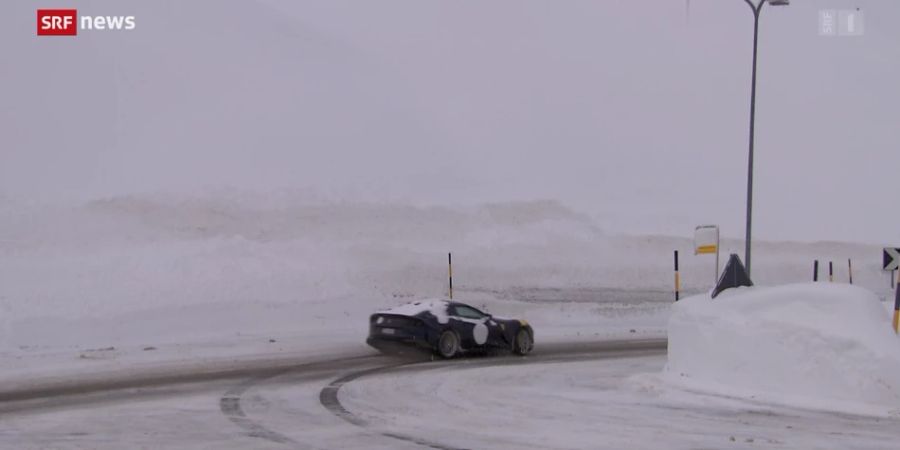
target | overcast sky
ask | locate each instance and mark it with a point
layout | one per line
(633, 111)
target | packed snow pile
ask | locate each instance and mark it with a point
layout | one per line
(813, 345)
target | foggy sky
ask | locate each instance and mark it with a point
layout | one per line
(632, 111)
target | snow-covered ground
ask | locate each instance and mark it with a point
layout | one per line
(158, 277)
(124, 285)
(815, 345)
(602, 403)
(609, 403)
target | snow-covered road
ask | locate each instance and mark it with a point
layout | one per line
(275, 403)
(583, 395)
(589, 402)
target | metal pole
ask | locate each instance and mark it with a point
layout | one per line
(716, 279)
(718, 244)
(747, 244)
(677, 279)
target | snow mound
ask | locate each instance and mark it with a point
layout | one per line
(813, 345)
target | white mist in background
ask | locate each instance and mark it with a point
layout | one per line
(449, 103)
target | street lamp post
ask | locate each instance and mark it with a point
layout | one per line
(757, 8)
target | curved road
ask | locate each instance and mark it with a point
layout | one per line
(556, 397)
(173, 397)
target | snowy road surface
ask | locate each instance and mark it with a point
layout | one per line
(585, 395)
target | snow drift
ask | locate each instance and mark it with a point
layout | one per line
(814, 345)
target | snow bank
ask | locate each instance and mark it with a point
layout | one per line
(815, 345)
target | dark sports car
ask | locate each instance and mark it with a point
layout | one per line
(447, 328)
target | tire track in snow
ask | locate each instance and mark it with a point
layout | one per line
(230, 402)
(328, 396)
(230, 405)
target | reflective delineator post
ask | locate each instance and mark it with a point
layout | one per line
(677, 278)
(850, 270)
(450, 272)
(816, 270)
(830, 271)
(897, 310)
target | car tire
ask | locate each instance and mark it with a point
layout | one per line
(523, 343)
(448, 344)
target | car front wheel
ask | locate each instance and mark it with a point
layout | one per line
(523, 343)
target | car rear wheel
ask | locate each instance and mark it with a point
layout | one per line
(448, 344)
(523, 343)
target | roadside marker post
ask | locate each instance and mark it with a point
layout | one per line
(830, 272)
(816, 270)
(450, 272)
(890, 261)
(850, 270)
(677, 278)
(897, 310)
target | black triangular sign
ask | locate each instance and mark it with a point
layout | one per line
(734, 275)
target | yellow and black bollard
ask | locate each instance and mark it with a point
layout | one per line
(450, 272)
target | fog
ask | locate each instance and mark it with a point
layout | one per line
(633, 112)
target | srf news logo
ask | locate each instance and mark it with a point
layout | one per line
(66, 22)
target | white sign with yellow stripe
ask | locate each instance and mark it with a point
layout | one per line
(706, 241)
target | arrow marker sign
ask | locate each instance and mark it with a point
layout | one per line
(891, 258)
